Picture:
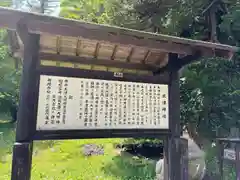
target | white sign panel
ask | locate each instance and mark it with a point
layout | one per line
(77, 103)
(230, 154)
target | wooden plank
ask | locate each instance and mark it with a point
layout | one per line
(72, 72)
(60, 26)
(106, 133)
(22, 161)
(28, 90)
(87, 60)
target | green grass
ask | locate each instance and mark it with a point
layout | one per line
(63, 160)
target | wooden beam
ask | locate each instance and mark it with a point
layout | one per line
(58, 44)
(146, 57)
(78, 46)
(130, 54)
(94, 61)
(96, 50)
(114, 52)
(101, 74)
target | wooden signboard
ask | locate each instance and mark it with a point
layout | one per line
(67, 103)
(76, 103)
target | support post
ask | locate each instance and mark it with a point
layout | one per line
(166, 159)
(220, 149)
(184, 159)
(174, 120)
(26, 119)
(22, 160)
(238, 160)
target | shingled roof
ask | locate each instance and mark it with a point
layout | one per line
(105, 44)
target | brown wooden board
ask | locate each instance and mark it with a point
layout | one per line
(98, 133)
(94, 61)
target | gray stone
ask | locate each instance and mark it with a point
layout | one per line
(196, 164)
(92, 149)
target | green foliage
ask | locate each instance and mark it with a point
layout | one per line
(91, 10)
(114, 12)
(9, 77)
(209, 88)
(5, 3)
(210, 96)
(231, 23)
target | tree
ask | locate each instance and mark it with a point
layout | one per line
(209, 88)
(10, 76)
(210, 98)
(92, 10)
(114, 12)
(40, 6)
(9, 79)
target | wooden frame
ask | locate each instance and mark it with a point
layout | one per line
(32, 32)
(78, 134)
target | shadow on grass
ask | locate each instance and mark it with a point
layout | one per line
(127, 167)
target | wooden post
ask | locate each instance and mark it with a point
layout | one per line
(238, 160)
(174, 120)
(22, 160)
(234, 133)
(220, 154)
(166, 159)
(26, 120)
(184, 159)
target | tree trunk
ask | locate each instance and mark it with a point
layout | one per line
(213, 23)
(200, 141)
